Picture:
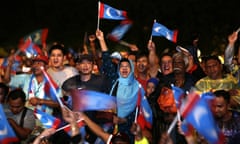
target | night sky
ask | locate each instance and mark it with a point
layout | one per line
(68, 20)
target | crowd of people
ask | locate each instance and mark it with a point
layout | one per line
(125, 76)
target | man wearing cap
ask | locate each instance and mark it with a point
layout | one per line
(87, 80)
(33, 85)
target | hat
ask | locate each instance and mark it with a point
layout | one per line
(116, 55)
(154, 81)
(42, 58)
(84, 57)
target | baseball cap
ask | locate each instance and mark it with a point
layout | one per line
(84, 57)
(42, 58)
(116, 55)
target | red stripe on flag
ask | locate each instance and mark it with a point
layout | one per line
(193, 98)
(101, 10)
(175, 34)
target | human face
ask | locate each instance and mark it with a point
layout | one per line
(56, 58)
(213, 69)
(36, 67)
(85, 67)
(219, 107)
(150, 88)
(166, 65)
(142, 64)
(16, 106)
(178, 63)
(124, 69)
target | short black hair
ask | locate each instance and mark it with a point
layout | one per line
(141, 54)
(212, 57)
(224, 94)
(15, 94)
(59, 47)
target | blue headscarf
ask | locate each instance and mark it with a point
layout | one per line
(127, 92)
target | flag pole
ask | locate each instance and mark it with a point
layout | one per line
(151, 32)
(172, 125)
(54, 90)
(238, 30)
(98, 19)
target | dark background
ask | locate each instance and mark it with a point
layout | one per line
(68, 20)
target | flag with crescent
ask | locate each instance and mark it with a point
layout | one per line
(160, 30)
(7, 134)
(47, 120)
(108, 12)
(119, 31)
(197, 112)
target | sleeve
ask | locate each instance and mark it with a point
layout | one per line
(228, 57)
(142, 141)
(17, 81)
(29, 120)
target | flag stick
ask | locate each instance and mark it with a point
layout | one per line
(151, 32)
(136, 114)
(172, 125)
(51, 85)
(124, 43)
(98, 20)
(78, 122)
(238, 30)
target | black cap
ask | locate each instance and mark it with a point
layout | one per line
(84, 57)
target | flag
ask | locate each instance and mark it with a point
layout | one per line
(7, 134)
(160, 30)
(92, 100)
(67, 128)
(38, 37)
(119, 31)
(30, 48)
(51, 89)
(47, 120)
(108, 12)
(145, 116)
(15, 65)
(178, 94)
(198, 113)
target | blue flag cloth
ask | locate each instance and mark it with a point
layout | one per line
(160, 30)
(30, 48)
(108, 12)
(15, 65)
(198, 113)
(38, 37)
(7, 134)
(178, 94)
(119, 31)
(92, 100)
(47, 120)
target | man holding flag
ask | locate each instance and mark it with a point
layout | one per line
(35, 85)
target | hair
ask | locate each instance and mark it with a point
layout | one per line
(59, 47)
(212, 57)
(181, 55)
(163, 55)
(224, 94)
(5, 89)
(140, 55)
(17, 93)
(120, 137)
